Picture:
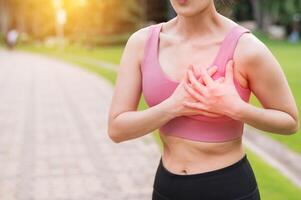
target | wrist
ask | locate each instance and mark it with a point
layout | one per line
(237, 111)
(170, 109)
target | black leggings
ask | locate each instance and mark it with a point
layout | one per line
(234, 182)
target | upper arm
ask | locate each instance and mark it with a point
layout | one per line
(127, 90)
(265, 76)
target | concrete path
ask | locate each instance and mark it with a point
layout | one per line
(276, 154)
(53, 136)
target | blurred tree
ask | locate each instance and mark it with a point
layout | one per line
(31, 16)
(85, 18)
(157, 10)
(40, 21)
(129, 16)
(243, 10)
(97, 17)
(4, 16)
(268, 12)
(94, 18)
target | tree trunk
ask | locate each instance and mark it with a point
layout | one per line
(4, 16)
(258, 13)
(20, 18)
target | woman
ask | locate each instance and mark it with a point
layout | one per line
(200, 111)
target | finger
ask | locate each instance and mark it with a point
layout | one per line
(200, 108)
(195, 105)
(197, 96)
(208, 114)
(229, 71)
(190, 67)
(212, 70)
(200, 80)
(185, 78)
(196, 71)
(205, 76)
(195, 84)
(220, 80)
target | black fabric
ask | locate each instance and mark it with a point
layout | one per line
(234, 182)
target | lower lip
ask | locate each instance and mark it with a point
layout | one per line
(182, 1)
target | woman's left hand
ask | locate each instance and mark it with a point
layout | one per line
(216, 96)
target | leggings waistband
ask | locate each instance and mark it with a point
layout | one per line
(242, 161)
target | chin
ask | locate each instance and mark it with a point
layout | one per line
(187, 12)
(190, 7)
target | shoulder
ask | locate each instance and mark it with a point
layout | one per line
(251, 51)
(138, 40)
(139, 36)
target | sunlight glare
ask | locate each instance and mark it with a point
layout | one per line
(57, 3)
(81, 2)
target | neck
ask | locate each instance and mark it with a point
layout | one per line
(203, 23)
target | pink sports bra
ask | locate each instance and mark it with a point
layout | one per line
(156, 87)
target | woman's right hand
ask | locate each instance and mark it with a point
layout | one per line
(180, 94)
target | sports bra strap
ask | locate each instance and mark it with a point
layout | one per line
(151, 42)
(229, 45)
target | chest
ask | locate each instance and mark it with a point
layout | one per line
(166, 65)
(173, 58)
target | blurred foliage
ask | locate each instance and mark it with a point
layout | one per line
(267, 12)
(281, 11)
(111, 21)
(86, 19)
(242, 10)
(99, 17)
(32, 16)
(1, 38)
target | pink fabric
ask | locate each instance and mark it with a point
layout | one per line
(157, 86)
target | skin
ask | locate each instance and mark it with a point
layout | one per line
(197, 31)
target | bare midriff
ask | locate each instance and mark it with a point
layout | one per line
(182, 156)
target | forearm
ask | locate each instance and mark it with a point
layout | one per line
(269, 120)
(134, 124)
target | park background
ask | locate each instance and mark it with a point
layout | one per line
(91, 34)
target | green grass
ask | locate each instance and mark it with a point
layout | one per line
(108, 53)
(79, 55)
(272, 184)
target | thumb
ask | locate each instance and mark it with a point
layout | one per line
(229, 71)
(220, 80)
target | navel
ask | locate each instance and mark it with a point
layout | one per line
(184, 171)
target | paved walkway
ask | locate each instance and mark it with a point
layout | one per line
(276, 154)
(53, 139)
